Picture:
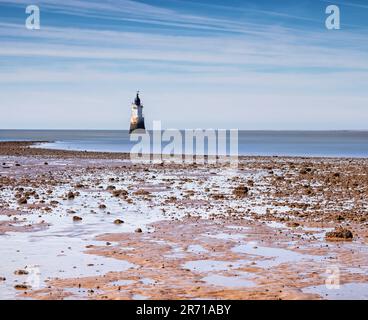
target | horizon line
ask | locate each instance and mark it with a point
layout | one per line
(182, 129)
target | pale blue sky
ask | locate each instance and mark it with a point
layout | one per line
(198, 64)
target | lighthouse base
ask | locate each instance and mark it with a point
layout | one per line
(137, 125)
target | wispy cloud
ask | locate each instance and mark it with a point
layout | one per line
(126, 10)
(265, 50)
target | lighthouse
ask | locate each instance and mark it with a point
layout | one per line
(137, 119)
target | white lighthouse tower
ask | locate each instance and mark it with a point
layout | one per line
(137, 119)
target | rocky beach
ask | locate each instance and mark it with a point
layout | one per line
(94, 225)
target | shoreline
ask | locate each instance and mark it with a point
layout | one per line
(26, 148)
(119, 230)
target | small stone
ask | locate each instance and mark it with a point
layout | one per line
(141, 193)
(293, 224)
(118, 193)
(22, 200)
(20, 272)
(70, 195)
(339, 233)
(118, 221)
(21, 287)
(240, 191)
(138, 230)
(102, 206)
(76, 218)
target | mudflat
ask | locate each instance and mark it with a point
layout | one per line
(90, 225)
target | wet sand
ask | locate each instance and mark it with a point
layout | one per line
(87, 225)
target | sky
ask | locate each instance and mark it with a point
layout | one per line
(229, 64)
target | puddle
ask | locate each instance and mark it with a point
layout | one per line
(273, 256)
(347, 291)
(238, 228)
(177, 252)
(317, 233)
(121, 283)
(226, 236)
(276, 225)
(226, 281)
(139, 297)
(147, 281)
(357, 270)
(211, 265)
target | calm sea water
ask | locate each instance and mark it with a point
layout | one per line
(288, 143)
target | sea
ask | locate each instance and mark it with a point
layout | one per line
(349, 144)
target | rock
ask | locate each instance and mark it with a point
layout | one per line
(102, 206)
(20, 272)
(118, 221)
(118, 193)
(2, 278)
(141, 193)
(76, 218)
(240, 191)
(138, 230)
(21, 287)
(293, 224)
(339, 233)
(218, 196)
(70, 195)
(22, 200)
(110, 188)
